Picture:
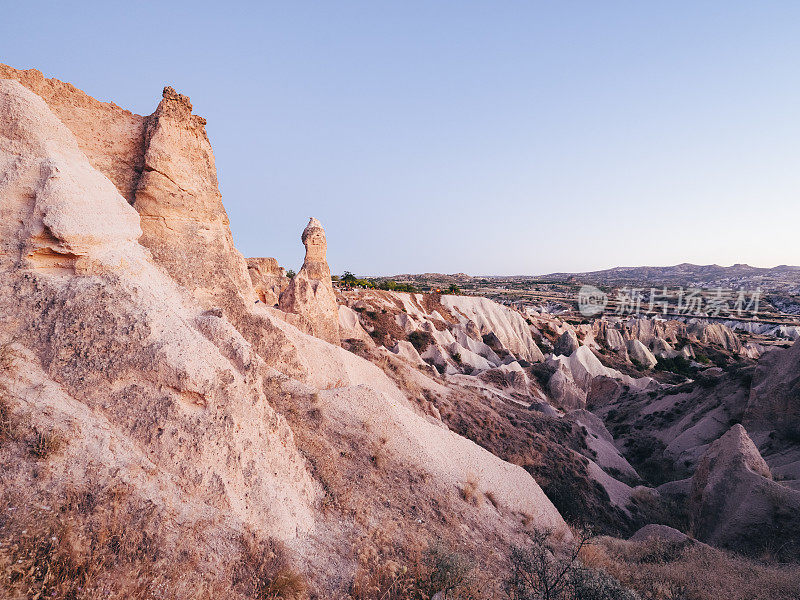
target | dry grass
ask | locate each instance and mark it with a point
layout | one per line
(7, 361)
(264, 571)
(384, 513)
(671, 571)
(43, 443)
(6, 429)
(76, 545)
(421, 575)
(83, 545)
(470, 491)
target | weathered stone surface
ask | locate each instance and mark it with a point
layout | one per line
(639, 352)
(126, 364)
(661, 533)
(59, 214)
(774, 401)
(158, 371)
(714, 333)
(508, 325)
(269, 279)
(185, 225)
(310, 293)
(661, 348)
(735, 503)
(566, 343)
(111, 138)
(614, 340)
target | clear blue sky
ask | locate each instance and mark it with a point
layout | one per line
(485, 137)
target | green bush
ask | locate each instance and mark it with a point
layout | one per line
(677, 364)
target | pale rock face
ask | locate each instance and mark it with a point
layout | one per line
(438, 356)
(141, 342)
(475, 346)
(515, 376)
(565, 392)
(715, 333)
(599, 440)
(661, 348)
(350, 326)
(752, 350)
(123, 352)
(662, 533)
(111, 138)
(615, 340)
(310, 293)
(407, 351)
(734, 502)
(181, 207)
(574, 374)
(74, 218)
(566, 343)
(775, 392)
(471, 360)
(406, 322)
(269, 279)
(638, 351)
(507, 324)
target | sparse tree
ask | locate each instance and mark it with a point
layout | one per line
(349, 279)
(542, 572)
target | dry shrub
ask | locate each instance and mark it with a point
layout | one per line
(383, 566)
(79, 545)
(421, 340)
(7, 362)
(418, 576)
(672, 571)
(86, 544)
(264, 571)
(322, 457)
(433, 302)
(471, 491)
(6, 428)
(550, 568)
(8, 357)
(43, 443)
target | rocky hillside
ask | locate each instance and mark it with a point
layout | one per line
(177, 421)
(783, 277)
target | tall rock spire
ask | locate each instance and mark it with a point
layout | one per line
(310, 293)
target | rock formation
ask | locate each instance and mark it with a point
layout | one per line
(566, 343)
(310, 293)
(639, 352)
(181, 208)
(138, 342)
(735, 503)
(269, 279)
(775, 393)
(120, 353)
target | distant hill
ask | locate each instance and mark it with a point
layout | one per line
(686, 274)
